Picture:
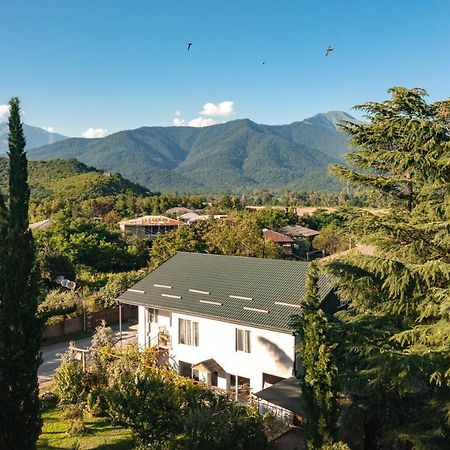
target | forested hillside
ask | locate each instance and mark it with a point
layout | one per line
(70, 180)
(232, 157)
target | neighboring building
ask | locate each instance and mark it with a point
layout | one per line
(149, 226)
(286, 242)
(178, 211)
(298, 232)
(225, 320)
(190, 217)
(41, 225)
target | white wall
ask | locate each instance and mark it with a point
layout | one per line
(271, 352)
(147, 331)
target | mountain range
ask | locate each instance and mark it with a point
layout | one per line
(35, 137)
(235, 156)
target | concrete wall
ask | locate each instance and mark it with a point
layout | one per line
(271, 352)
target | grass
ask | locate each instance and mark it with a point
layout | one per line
(99, 434)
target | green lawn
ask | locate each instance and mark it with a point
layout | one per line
(99, 433)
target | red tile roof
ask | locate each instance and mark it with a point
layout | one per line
(152, 220)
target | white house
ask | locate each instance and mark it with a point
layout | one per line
(224, 318)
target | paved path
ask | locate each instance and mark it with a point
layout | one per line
(51, 354)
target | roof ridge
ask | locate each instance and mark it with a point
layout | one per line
(281, 261)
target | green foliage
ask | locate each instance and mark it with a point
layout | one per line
(117, 283)
(146, 403)
(234, 426)
(94, 244)
(20, 330)
(52, 263)
(239, 235)
(332, 239)
(98, 433)
(318, 367)
(103, 337)
(163, 409)
(399, 148)
(192, 416)
(336, 446)
(74, 415)
(56, 305)
(186, 239)
(394, 336)
(321, 218)
(70, 380)
(274, 218)
(72, 180)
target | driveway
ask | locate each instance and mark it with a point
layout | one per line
(51, 354)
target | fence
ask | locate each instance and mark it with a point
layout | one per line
(75, 325)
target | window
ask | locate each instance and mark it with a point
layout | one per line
(187, 332)
(185, 369)
(153, 315)
(242, 340)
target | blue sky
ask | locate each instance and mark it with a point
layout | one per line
(113, 65)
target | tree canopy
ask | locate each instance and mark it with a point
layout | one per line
(393, 338)
(20, 330)
(400, 148)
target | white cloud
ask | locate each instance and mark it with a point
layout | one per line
(178, 121)
(4, 110)
(222, 109)
(197, 122)
(49, 129)
(201, 122)
(94, 132)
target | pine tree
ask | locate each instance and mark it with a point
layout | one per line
(397, 149)
(318, 368)
(393, 340)
(20, 330)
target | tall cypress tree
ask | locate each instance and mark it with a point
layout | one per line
(318, 368)
(20, 330)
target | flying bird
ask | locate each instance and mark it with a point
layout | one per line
(189, 46)
(264, 62)
(329, 50)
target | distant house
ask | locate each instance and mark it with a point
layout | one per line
(189, 217)
(149, 226)
(224, 320)
(286, 242)
(298, 232)
(179, 211)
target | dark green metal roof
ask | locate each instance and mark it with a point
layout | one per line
(237, 286)
(286, 393)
